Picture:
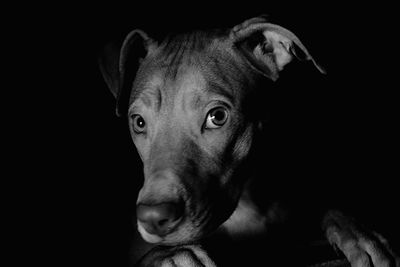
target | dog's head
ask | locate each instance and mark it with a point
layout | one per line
(188, 100)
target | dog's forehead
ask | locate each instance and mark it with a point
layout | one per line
(158, 87)
(194, 62)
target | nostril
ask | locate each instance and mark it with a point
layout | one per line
(162, 221)
(159, 219)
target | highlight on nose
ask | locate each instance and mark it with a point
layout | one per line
(159, 219)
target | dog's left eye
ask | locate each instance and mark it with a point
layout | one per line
(216, 118)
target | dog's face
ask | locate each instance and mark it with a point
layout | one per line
(187, 122)
(190, 118)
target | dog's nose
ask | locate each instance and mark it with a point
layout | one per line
(159, 219)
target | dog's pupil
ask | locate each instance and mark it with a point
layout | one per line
(140, 122)
(219, 115)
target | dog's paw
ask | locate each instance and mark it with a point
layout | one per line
(179, 256)
(361, 247)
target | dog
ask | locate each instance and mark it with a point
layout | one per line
(190, 99)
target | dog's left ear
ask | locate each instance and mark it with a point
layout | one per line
(119, 64)
(269, 47)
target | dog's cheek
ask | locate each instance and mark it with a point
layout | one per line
(141, 147)
(243, 145)
(236, 174)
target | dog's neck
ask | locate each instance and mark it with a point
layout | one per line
(248, 220)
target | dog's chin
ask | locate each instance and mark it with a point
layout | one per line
(188, 230)
(150, 238)
(181, 235)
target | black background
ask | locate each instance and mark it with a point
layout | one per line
(77, 171)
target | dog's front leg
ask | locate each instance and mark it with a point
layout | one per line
(361, 247)
(177, 256)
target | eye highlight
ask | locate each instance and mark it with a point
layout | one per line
(216, 118)
(139, 124)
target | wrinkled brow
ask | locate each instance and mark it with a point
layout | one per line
(151, 87)
(224, 76)
(215, 87)
(151, 97)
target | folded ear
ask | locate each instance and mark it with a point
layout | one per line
(109, 62)
(119, 65)
(269, 47)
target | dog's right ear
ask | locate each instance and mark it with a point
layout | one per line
(268, 47)
(119, 65)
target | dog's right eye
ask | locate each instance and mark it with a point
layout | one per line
(139, 125)
(216, 118)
